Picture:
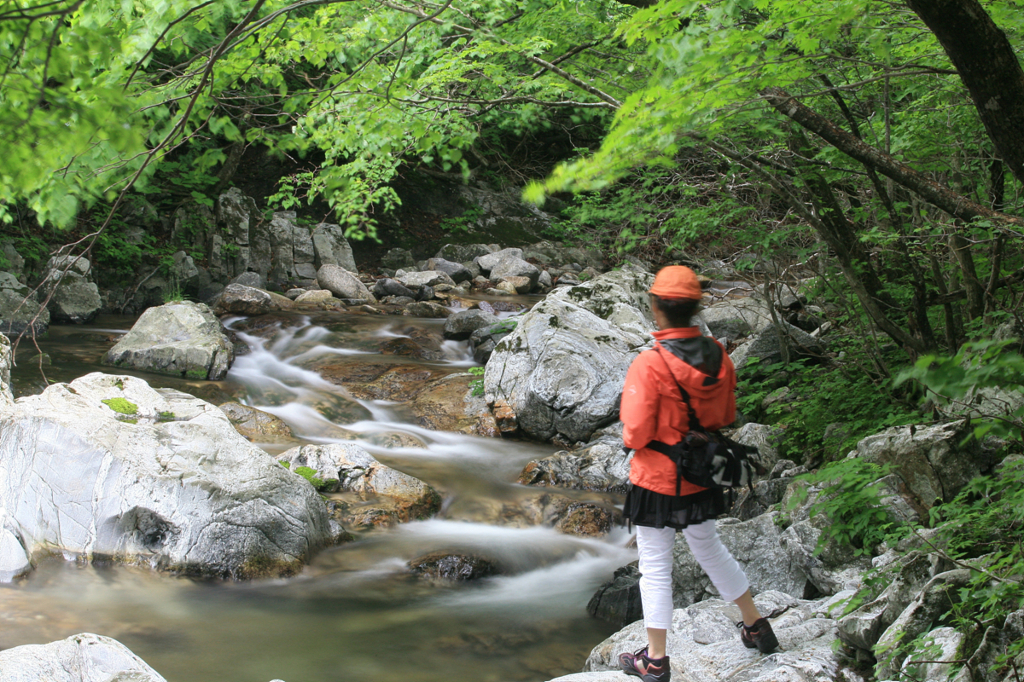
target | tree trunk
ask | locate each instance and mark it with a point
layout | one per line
(988, 67)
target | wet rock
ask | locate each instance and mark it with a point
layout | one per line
(585, 519)
(316, 296)
(243, 300)
(295, 293)
(457, 271)
(618, 600)
(74, 299)
(445, 568)
(483, 340)
(14, 558)
(343, 284)
(561, 370)
(703, 644)
(331, 247)
(427, 278)
(519, 285)
(461, 325)
(107, 466)
(256, 425)
(179, 339)
(516, 267)
(378, 381)
(447, 404)
(504, 287)
(347, 467)
(79, 658)
(392, 287)
(427, 309)
(20, 309)
(600, 466)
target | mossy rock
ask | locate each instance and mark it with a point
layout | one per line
(121, 405)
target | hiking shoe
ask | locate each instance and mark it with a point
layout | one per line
(759, 636)
(647, 669)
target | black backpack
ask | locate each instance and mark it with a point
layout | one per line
(708, 458)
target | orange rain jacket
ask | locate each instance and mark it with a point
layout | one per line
(652, 408)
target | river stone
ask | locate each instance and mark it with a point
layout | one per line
(930, 459)
(249, 279)
(427, 278)
(560, 372)
(256, 425)
(445, 568)
(461, 325)
(488, 260)
(392, 287)
(457, 271)
(79, 658)
(618, 600)
(704, 644)
(601, 465)
(316, 296)
(180, 339)
(756, 545)
(67, 266)
(515, 267)
(332, 248)
(242, 300)
(343, 284)
(18, 307)
(767, 345)
(171, 485)
(76, 301)
(353, 469)
(427, 309)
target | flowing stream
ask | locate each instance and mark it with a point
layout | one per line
(356, 612)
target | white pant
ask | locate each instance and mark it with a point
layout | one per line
(655, 546)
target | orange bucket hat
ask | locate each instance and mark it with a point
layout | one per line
(676, 281)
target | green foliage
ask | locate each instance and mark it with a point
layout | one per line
(121, 405)
(850, 501)
(954, 381)
(477, 385)
(465, 223)
(310, 475)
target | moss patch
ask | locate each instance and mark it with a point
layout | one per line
(310, 475)
(121, 405)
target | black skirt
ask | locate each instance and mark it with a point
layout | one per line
(645, 507)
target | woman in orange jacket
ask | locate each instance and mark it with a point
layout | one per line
(653, 409)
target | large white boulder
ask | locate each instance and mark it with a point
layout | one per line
(180, 339)
(561, 371)
(6, 395)
(108, 466)
(704, 644)
(79, 658)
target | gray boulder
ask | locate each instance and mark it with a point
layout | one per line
(457, 271)
(243, 300)
(291, 249)
(427, 278)
(929, 459)
(767, 345)
(396, 259)
(343, 284)
(737, 318)
(108, 467)
(488, 260)
(250, 279)
(242, 241)
(392, 287)
(76, 301)
(461, 253)
(756, 545)
(14, 558)
(331, 247)
(508, 268)
(704, 644)
(79, 658)
(426, 309)
(762, 437)
(20, 309)
(484, 340)
(15, 263)
(461, 325)
(618, 600)
(180, 339)
(601, 465)
(561, 371)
